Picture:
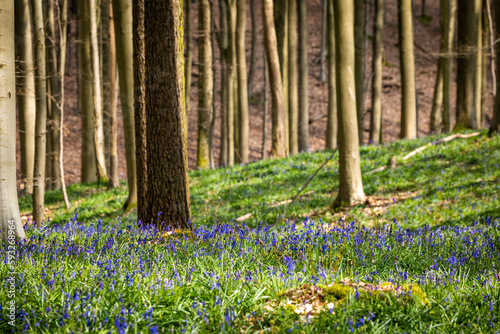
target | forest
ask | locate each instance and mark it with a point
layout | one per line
(249, 166)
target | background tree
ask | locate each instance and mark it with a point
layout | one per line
(253, 52)
(96, 87)
(205, 84)
(479, 65)
(41, 114)
(303, 79)
(359, 40)
(25, 82)
(378, 65)
(168, 184)
(278, 148)
(350, 182)
(293, 83)
(85, 97)
(189, 52)
(242, 82)
(495, 124)
(110, 96)
(408, 91)
(122, 14)
(331, 123)
(468, 13)
(9, 208)
(324, 41)
(281, 26)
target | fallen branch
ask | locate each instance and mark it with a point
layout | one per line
(422, 148)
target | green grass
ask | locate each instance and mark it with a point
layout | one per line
(446, 184)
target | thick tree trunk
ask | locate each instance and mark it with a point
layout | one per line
(41, 114)
(140, 109)
(205, 84)
(437, 102)
(350, 183)
(466, 63)
(253, 51)
(281, 26)
(278, 148)
(243, 127)
(168, 184)
(359, 40)
(449, 8)
(495, 124)
(53, 175)
(85, 97)
(378, 65)
(109, 98)
(408, 91)
(96, 87)
(122, 14)
(10, 220)
(293, 83)
(26, 103)
(303, 79)
(331, 123)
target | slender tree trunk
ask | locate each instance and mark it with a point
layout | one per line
(331, 124)
(53, 174)
(293, 83)
(96, 87)
(168, 183)
(242, 81)
(437, 102)
(88, 155)
(422, 13)
(26, 103)
(41, 114)
(466, 63)
(122, 14)
(281, 25)
(278, 148)
(359, 40)
(495, 124)
(10, 220)
(253, 51)
(188, 54)
(484, 62)
(303, 79)
(350, 182)
(266, 108)
(479, 66)
(63, 24)
(140, 109)
(408, 92)
(205, 84)
(223, 46)
(110, 90)
(378, 65)
(214, 86)
(448, 25)
(324, 50)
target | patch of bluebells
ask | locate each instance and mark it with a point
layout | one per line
(91, 277)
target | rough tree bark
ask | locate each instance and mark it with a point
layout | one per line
(331, 123)
(168, 184)
(205, 84)
(303, 79)
(85, 95)
(293, 83)
(10, 220)
(243, 127)
(41, 114)
(350, 182)
(140, 109)
(278, 148)
(378, 59)
(408, 92)
(26, 103)
(122, 14)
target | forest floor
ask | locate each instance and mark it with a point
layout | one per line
(421, 255)
(427, 37)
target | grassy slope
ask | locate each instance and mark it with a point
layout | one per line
(453, 183)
